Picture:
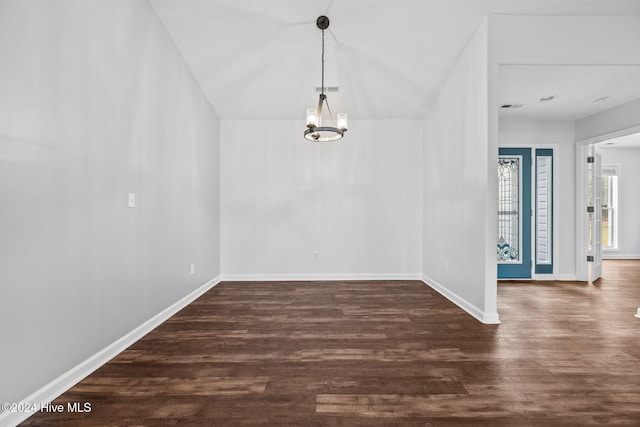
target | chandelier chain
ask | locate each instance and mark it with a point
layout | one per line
(322, 89)
(326, 101)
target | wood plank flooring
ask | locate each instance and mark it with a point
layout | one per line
(385, 353)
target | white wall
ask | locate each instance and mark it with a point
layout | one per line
(356, 202)
(628, 160)
(95, 103)
(579, 40)
(459, 181)
(545, 134)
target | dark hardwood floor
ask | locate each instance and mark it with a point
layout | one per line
(378, 353)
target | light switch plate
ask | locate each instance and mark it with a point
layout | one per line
(132, 200)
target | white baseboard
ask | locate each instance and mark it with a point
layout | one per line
(619, 256)
(566, 277)
(553, 277)
(487, 318)
(317, 277)
(55, 388)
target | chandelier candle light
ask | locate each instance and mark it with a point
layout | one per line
(315, 130)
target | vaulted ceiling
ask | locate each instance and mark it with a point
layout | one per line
(260, 60)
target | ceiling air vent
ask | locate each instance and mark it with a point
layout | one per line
(511, 106)
(328, 89)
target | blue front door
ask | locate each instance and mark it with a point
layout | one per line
(514, 213)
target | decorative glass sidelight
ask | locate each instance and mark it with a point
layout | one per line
(544, 205)
(509, 210)
(544, 211)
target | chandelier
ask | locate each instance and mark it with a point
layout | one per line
(316, 131)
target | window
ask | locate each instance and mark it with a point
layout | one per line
(609, 207)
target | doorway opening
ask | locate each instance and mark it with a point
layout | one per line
(601, 230)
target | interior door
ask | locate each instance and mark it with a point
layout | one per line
(594, 213)
(514, 213)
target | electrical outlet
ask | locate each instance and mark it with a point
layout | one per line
(132, 200)
(193, 269)
(316, 256)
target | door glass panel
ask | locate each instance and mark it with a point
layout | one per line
(597, 226)
(509, 211)
(590, 203)
(606, 206)
(543, 209)
(609, 204)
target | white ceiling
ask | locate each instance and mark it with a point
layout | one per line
(628, 141)
(259, 59)
(575, 87)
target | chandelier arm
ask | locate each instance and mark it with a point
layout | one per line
(326, 101)
(321, 100)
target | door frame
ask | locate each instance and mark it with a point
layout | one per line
(555, 213)
(582, 146)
